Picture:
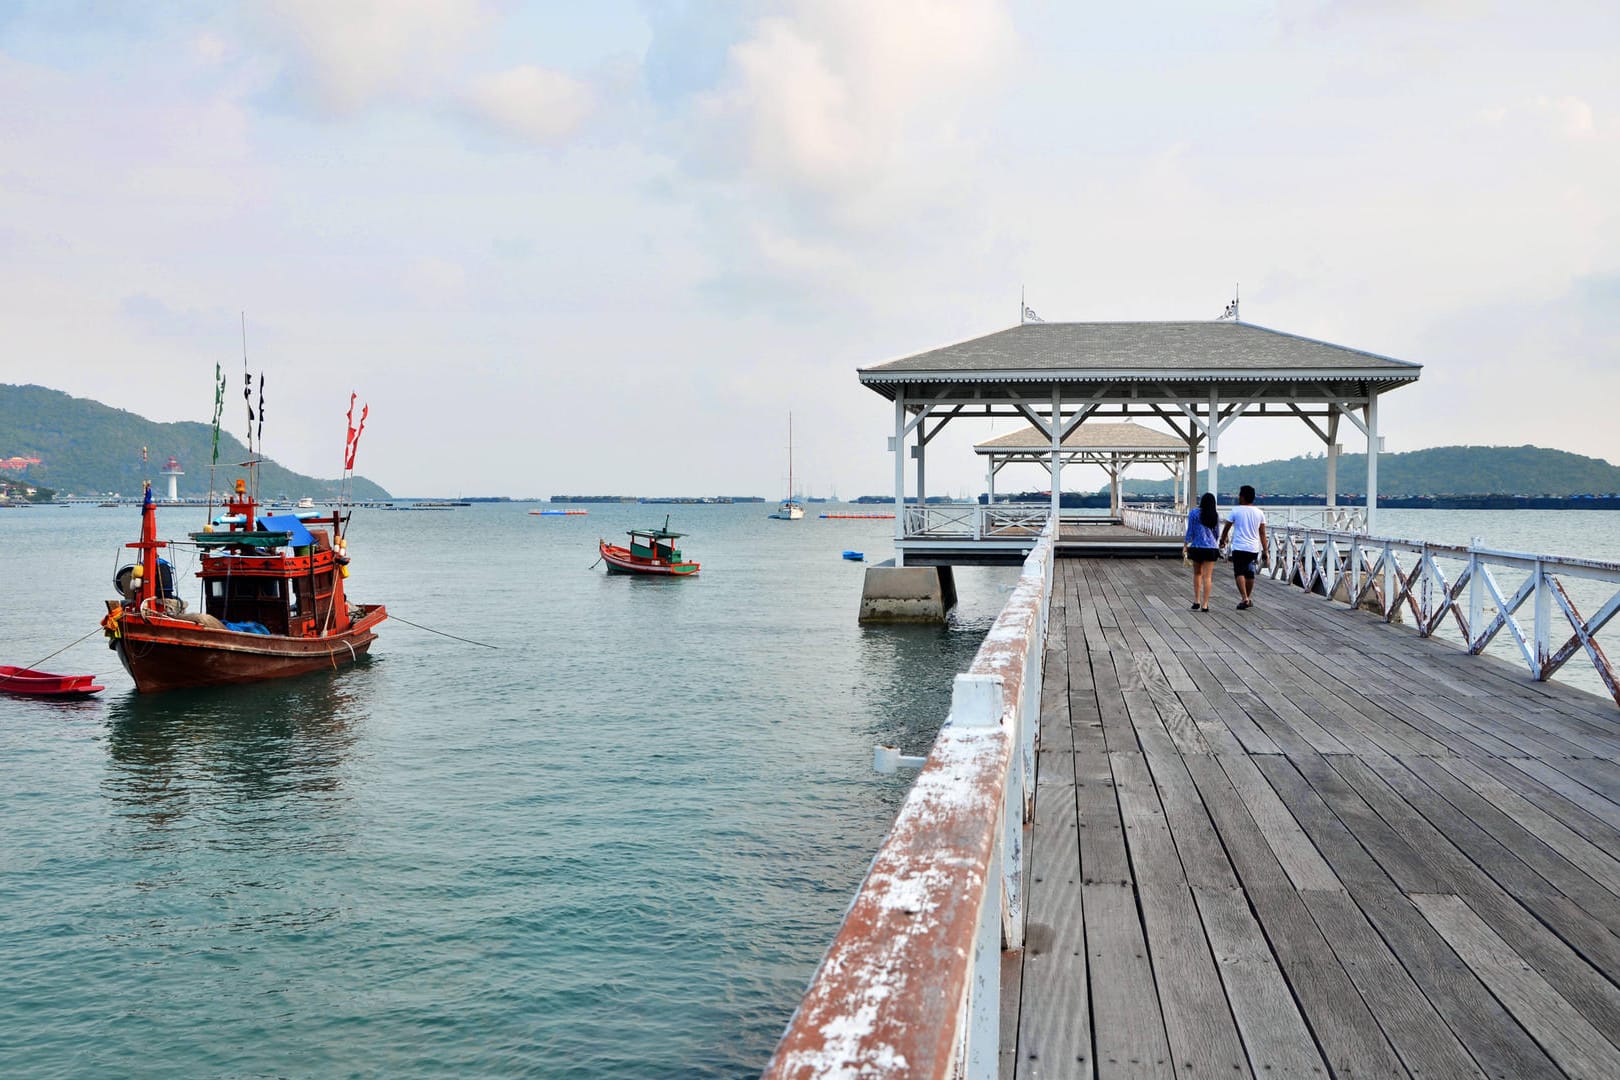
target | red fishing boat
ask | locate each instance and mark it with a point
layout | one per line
(31, 683)
(651, 551)
(273, 602)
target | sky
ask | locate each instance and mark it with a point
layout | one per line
(609, 247)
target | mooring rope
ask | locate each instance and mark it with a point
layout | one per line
(63, 649)
(483, 645)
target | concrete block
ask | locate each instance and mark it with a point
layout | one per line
(907, 594)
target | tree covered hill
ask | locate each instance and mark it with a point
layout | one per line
(1441, 470)
(87, 448)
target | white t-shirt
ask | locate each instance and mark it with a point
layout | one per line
(1246, 522)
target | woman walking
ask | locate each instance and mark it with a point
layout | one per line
(1200, 546)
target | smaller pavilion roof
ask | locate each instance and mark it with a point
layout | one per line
(1095, 436)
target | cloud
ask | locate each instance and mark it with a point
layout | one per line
(1572, 115)
(531, 103)
(837, 145)
(831, 98)
(347, 56)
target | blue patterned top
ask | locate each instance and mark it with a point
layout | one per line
(1198, 534)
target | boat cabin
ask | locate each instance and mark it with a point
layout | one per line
(656, 544)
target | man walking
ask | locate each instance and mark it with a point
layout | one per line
(1247, 528)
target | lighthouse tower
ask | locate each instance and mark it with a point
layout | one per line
(173, 471)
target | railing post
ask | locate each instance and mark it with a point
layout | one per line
(1391, 576)
(1355, 568)
(979, 701)
(1476, 593)
(1543, 627)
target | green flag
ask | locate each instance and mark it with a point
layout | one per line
(219, 406)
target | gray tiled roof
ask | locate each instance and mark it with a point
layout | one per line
(1092, 435)
(1154, 349)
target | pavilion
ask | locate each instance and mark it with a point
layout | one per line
(1194, 378)
(1112, 447)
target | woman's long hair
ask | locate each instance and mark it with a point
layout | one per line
(1208, 516)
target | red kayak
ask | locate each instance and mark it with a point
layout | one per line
(21, 680)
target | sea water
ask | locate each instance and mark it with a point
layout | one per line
(565, 825)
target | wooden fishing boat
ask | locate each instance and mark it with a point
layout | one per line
(272, 596)
(31, 683)
(651, 551)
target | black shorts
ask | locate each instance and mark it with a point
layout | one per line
(1243, 563)
(1199, 554)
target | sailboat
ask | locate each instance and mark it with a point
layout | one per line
(790, 508)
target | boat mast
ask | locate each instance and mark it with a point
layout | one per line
(790, 457)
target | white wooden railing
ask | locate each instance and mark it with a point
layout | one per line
(952, 521)
(1337, 518)
(1395, 578)
(911, 986)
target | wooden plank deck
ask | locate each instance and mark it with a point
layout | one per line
(1295, 841)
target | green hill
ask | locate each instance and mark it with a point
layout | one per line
(87, 448)
(1440, 470)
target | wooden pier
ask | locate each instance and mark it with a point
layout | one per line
(1300, 841)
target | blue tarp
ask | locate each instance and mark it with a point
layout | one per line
(248, 627)
(297, 535)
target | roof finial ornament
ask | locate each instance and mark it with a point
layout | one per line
(1231, 311)
(1026, 314)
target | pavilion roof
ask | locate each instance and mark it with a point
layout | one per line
(1092, 435)
(1176, 358)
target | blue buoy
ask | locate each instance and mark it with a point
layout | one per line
(855, 556)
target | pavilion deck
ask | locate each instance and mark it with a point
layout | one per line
(1296, 841)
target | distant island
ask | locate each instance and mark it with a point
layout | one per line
(1449, 473)
(59, 445)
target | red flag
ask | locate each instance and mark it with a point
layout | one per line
(348, 439)
(354, 444)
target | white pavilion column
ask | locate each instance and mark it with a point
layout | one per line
(1057, 452)
(990, 479)
(1113, 488)
(1214, 439)
(899, 448)
(1191, 478)
(920, 452)
(1333, 457)
(1372, 463)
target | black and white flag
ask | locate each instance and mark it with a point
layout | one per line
(1030, 316)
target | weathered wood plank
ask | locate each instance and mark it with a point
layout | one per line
(1571, 1041)
(1350, 1038)
(1479, 1021)
(1054, 1026)
(1275, 1036)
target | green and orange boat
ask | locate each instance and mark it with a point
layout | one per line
(651, 551)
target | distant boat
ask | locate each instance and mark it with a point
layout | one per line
(306, 503)
(651, 551)
(559, 513)
(855, 556)
(790, 509)
(30, 683)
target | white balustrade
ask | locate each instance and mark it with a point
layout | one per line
(911, 986)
